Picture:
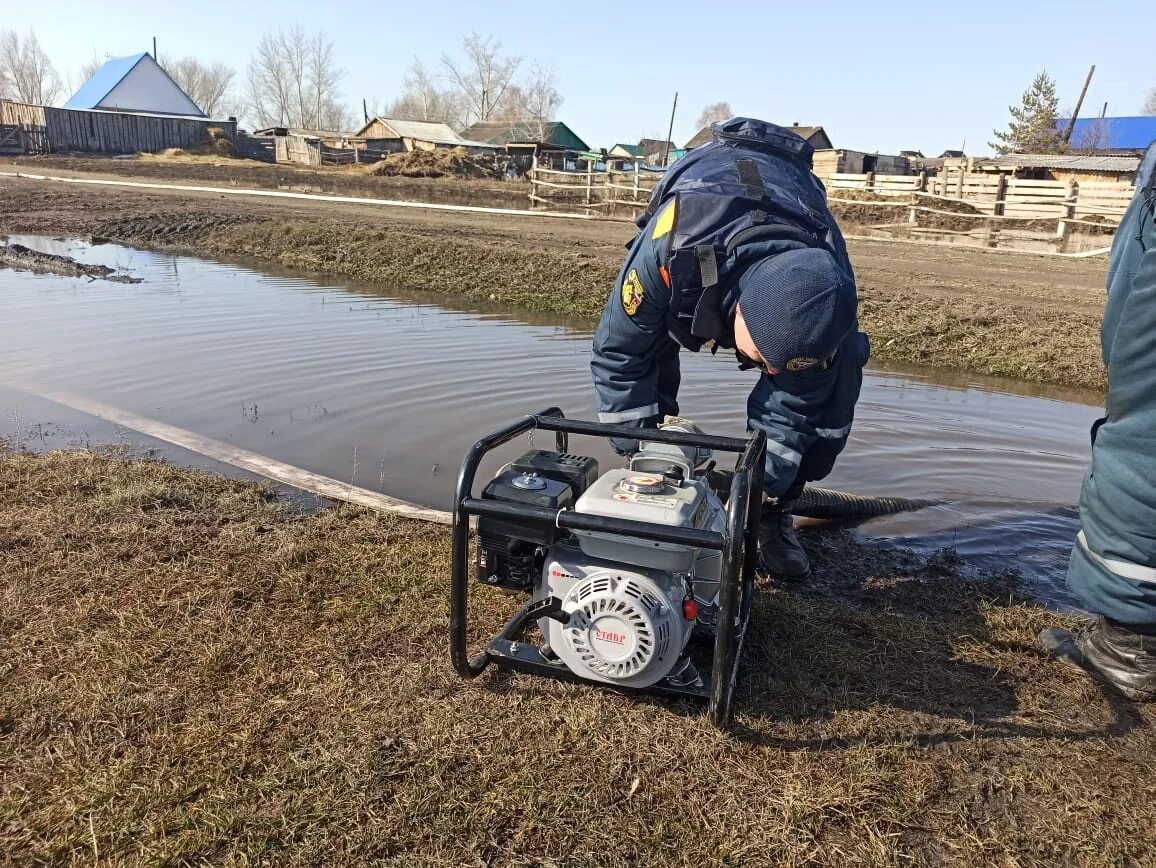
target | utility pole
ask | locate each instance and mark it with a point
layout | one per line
(155, 49)
(1079, 104)
(365, 109)
(669, 132)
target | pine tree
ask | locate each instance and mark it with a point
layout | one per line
(1034, 125)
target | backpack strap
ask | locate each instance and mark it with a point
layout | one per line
(756, 189)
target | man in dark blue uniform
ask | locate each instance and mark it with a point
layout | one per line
(1113, 566)
(739, 251)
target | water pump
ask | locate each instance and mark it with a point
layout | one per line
(622, 569)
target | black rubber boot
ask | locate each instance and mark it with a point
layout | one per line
(780, 552)
(1122, 656)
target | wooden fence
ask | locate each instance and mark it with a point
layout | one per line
(14, 139)
(56, 130)
(309, 151)
(986, 210)
(992, 210)
(260, 148)
(592, 192)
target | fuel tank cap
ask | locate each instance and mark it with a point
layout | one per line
(642, 483)
(529, 482)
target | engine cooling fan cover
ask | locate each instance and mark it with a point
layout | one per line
(623, 629)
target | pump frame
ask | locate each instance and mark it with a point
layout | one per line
(738, 543)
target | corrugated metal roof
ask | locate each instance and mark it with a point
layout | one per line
(632, 150)
(103, 81)
(1113, 134)
(426, 131)
(698, 139)
(1073, 162)
(805, 133)
(501, 133)
(654, 146)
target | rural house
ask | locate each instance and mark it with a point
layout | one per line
(1062, 167)
(655, 150)
(552, 133)
(129, 105)
(393, 135)
(828, 162)
(134, 84)
(329, 138)
(626, 152)
(551, 144)
(816, 137)
(623, 157)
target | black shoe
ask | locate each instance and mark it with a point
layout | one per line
(1112, 653)
(780, 552)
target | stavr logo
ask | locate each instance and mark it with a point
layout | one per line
(607, 636)
(801, 363)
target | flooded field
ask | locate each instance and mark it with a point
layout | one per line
(386, 390)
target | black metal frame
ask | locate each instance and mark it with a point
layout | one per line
(738, 543)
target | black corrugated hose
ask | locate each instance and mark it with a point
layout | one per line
(831, 504)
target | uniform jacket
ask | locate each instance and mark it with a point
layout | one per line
(1113, 564)
(807, 415)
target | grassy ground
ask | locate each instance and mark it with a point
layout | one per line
(195, 673)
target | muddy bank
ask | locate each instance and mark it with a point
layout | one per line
(194, 672)
(1014, 316)
(341, 180)
(20, 258)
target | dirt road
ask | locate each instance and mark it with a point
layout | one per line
(1005, 314)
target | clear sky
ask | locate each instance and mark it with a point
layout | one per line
(878, 76)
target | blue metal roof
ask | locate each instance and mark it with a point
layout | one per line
(103, 81)
(1121, 134)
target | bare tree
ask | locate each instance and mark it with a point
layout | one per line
(208, 85)
(1150, 103)
(89, 67)
(424, 99)
(26, 73)
(537, 99)
(292, 81)
(716, 112)
(482, 75)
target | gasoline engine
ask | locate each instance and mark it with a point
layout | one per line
(628, 607)
(621, 570)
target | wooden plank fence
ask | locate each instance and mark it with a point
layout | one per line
(309, 151)
(46, 129)
(257, 148)
(609, 193)
(1001, 210)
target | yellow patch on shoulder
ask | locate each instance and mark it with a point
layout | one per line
(666, 220)
(632, 293)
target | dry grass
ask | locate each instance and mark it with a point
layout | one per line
(215, 148)
(193, 673)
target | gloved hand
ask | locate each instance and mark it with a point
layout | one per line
(627, 446)
(624, 447)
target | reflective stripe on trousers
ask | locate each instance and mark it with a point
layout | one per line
(1117, 567)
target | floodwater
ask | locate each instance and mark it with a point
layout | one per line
(387, 390)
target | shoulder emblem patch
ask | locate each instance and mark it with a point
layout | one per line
(801, 363)
(666, 220)
(632, 293)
